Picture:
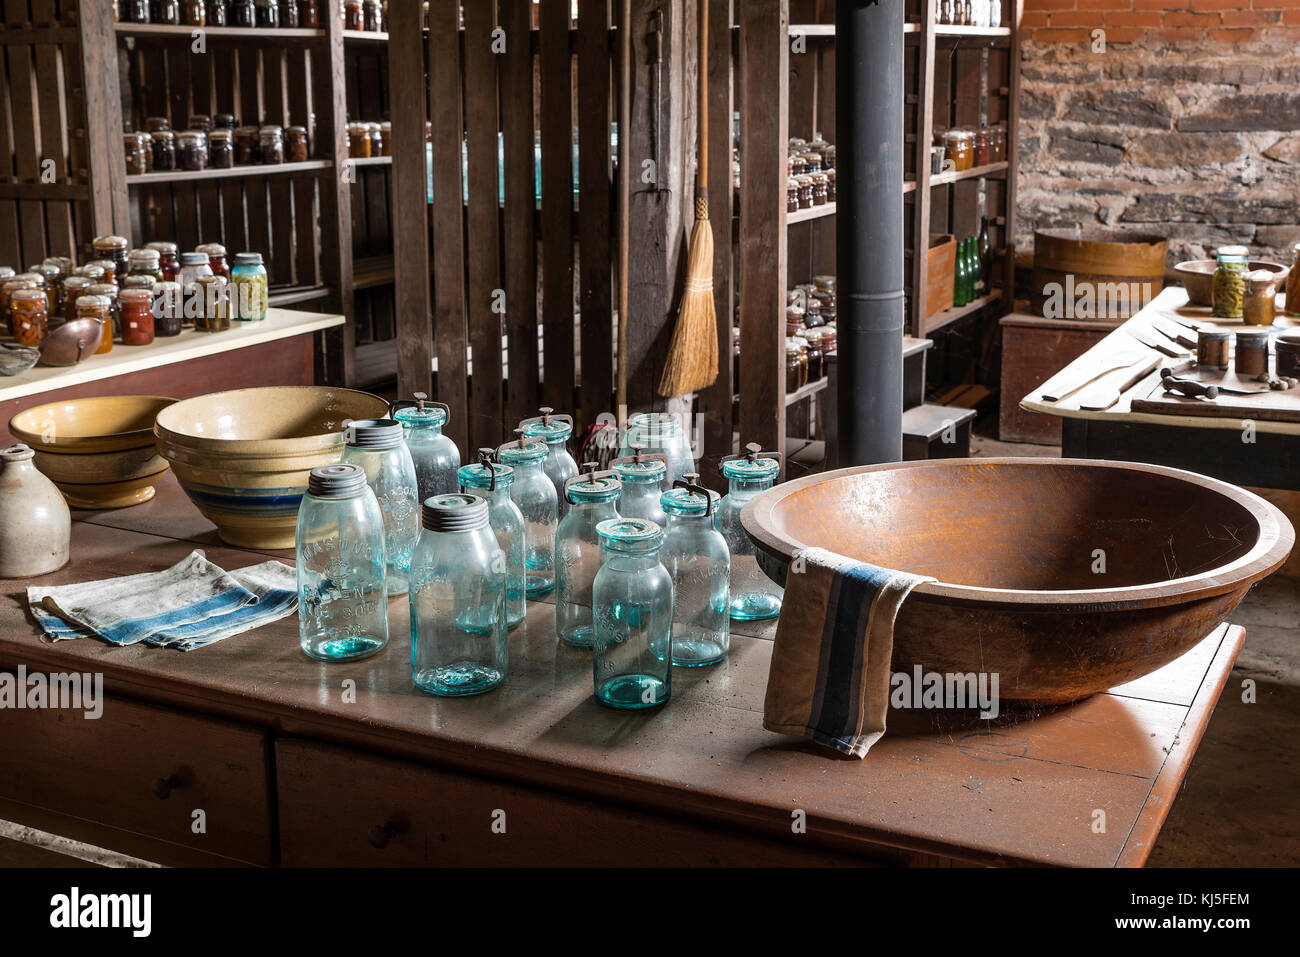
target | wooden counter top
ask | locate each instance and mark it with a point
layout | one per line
(123, 360)
(1021, 789)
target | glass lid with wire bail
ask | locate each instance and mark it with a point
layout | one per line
(523, 451)
(485, 474)
(753, 465)
(549, 425)
(641, 467)
(593, 488)
(688, 499)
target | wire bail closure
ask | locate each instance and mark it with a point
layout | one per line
(689, 482)
(588, 475)
(639, 457)
(420, 402)
(753, 452)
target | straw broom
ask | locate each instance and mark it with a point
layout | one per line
(693, 351)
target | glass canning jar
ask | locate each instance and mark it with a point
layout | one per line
(218, 13)
(193, 265)
(458, 606)
(267, 14)
(73, 288)
(112, 249)
(98, 308)
(168, 262)
(359, 140)
(376, 139)
(377, 446)
(165, 11)
(136, 160)
(1229, 284)
(29, 316)
(288, 13)
(144, 262)
(137, 316)
(754, 596)
(696, 556)
(245, 142)
(309, 14)
(386, 138)
(555, 431)
(373, 15)
(194, 13)
(295, 144)
(192, 147)
(642, 476)
(633, 593)
(270, 145)
(214, 311)
(342, 611)
(221, 150)
(164, 150)
(250, 287)
(108, 292)
(660, 432)
(243, 13)
(436, 457)
(354, 14)
(533, 492)
(216, 254)
(491, 482)
(168, 312)
(592, 499)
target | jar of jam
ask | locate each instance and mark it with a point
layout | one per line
(794, 316)
(270, 145)
(113, 325)
(830, 186)
(373, 16)
(359, 140)
(249, 287)
(134, 11)
(796, 364)
(112, 249)
(223, 121)
(385, 138)
(74, 287)
(193, 148)
(221, 150)
(143, 262)
(214, 311)
(819, 189)
(216, 254)
(165, 11)
(137, 282)
(97, 308)
(295, 144)
(959, 149)
(828, 158)
(354, 15)
(193, 265)
(194, 13)
(137, 316)
(167, 309)
(791, 195)
(243, 13)
(137, 161)
(812, 162)
(6, 272)
(218, 13)
(813, 313)
(29, 316)
(376, 139)
(153, 124)
(167, 261)
(94, 271)
(267, 14)
(51, 283)
(1259, 306)
(814, 354)
(795, 165)
(805, 192)
(164, 150)
(7, 289)
(309, 14)
(245, 140)
(199, 121)
(997, 143)
(289, 13)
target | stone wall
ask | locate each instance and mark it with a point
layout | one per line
(1181, 122)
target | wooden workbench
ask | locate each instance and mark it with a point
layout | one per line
(1210, 445)
(289, 768)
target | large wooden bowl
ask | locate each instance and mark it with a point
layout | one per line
(1016, 546)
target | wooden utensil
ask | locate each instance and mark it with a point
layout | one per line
(1160, 347)
(1102, 397)
(1118, 360)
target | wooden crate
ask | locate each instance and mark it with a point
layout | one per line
(1033, 350)
(940, 272)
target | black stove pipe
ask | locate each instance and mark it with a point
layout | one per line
(869, 229)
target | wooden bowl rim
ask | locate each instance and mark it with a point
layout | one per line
(1270, 551)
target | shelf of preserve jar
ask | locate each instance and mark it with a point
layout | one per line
(248, 169)
(265, 34)
(953, 313)
(812, 212)
(369, 160)
(804, 391)
(953, 176)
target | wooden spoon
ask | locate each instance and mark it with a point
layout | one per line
(1118, 360)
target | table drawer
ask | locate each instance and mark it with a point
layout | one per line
(134, 778)
(340, 807)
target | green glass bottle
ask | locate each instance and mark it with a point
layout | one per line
(959, 297)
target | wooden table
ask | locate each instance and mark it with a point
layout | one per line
(299, 763)
(1210, 445)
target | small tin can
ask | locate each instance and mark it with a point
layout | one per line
(1212, 349)
(1288, 355)
(1251, 358)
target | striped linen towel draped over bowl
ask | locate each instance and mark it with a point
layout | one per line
(829, 677)
(190, 605)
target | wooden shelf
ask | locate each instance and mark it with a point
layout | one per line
(803, 392)
(294, 295)
(254, 34)
(277, 169)
(812, 212)
(952, 314)
(975, 172)
(812, 29)
(365, 36)
(370, 161)
(944, 30)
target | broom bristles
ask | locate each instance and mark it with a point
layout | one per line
(693, 351)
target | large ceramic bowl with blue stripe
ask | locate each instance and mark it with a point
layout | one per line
(243, 456)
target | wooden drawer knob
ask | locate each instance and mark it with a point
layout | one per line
(163, 787)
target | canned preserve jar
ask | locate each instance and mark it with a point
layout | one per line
(249, 287)
(221, 149)
(167, 309)
(29, 316)
(137, 316)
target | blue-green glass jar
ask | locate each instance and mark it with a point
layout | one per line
(249, 287)
(754, 596)
(642, 475)
(435, 455)
(377, 446)
(458, 599)
(342, 606)
(592, 499)
(697, 559)
(535, 496)
(660, 432)
(492, 481)
(633, 593)
(555, 431)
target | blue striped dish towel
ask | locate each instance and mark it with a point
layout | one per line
(190, 605)
(829, 677)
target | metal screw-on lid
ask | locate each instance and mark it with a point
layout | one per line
(458, 512)
(248, 259)
(376, 434)
(194, 259)
(336, 481)
(210, 249)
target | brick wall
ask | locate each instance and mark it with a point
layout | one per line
(1183, 121)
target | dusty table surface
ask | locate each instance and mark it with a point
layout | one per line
(1023, 788)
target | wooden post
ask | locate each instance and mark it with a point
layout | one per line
(330, 98)
(105, 171)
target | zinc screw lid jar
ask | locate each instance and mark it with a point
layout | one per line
(535, 495)
(697, 558)
(378, 447)
(633, 636)
(342, 606)
(577, 552)
(458, 607)
(35, 524)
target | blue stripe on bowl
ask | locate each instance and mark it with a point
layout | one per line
(271, 501)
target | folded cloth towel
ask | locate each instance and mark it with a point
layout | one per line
(829, 677)
(192, 604)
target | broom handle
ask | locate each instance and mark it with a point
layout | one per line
(702, 169)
